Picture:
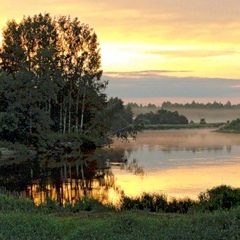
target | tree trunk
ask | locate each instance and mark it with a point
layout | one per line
(83, 108)
(61, 118)
(82, 173)
(69, 117)
(77, 106)
(64, 119)
(30, 113)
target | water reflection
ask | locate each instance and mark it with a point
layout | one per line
(181, 162)
(177, 163)
(64, 179)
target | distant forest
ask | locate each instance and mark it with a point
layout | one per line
(193, 104)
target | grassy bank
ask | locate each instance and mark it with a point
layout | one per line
(120, 225)
(181, 126)
(88, 219)
(232, 127)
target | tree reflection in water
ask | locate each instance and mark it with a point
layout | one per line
(65, 179)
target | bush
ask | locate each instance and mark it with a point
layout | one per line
(89, 204)
(16, 204)
(221, 197)
(180, 205)
(150, 202)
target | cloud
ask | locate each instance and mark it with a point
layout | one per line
(235, 86)
(143, 74)
(213, 27)
(193, 53)
(157, 86)
(152, 19)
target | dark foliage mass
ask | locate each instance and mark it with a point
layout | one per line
(50, 82)
(219, 198)
(232, 127)
(162, 117)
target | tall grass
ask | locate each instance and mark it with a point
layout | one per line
(88, 219)
(121, 225)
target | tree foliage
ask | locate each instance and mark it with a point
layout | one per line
(162, 117)
(50, 80)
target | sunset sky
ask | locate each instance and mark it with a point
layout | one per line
(179, 38)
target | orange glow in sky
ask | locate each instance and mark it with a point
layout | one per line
(200, 37)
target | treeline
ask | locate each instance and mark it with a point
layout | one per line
(161, 117)
(50, 82)
(193, 104)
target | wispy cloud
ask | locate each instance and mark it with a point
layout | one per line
(143, 74)
(235, 86)
(197, 53)
(212, 28)
(159, 87)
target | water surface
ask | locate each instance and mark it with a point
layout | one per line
(180, 163)
(177, 163)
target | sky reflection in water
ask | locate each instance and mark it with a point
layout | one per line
(180, 163)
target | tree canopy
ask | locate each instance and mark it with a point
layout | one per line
(162, 117)
(50, 81)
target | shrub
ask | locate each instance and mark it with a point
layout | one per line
(150, 202)
(180, 205)
(12, 203)
(221, 197)
(89, 204)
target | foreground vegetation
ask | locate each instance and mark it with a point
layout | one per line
(123, 225)
(88, 219)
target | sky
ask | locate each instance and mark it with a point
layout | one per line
(166, 39)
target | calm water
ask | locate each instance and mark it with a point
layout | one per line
(180, 163)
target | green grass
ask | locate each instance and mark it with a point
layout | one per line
(21, 219)
(120, 225)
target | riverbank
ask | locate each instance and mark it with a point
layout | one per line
(20, 219)
(127, 225)
(182, 126)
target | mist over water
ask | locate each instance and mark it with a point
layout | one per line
(178, 163)
(181, 162)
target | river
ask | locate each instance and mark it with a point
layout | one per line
(179, 163)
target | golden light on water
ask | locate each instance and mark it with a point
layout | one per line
(180, 163)
(179, 182)
(176, 163)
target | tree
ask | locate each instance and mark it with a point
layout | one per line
(122, 124)
(80, 62)
(162, 116)
(51, 80)
(29, 56)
